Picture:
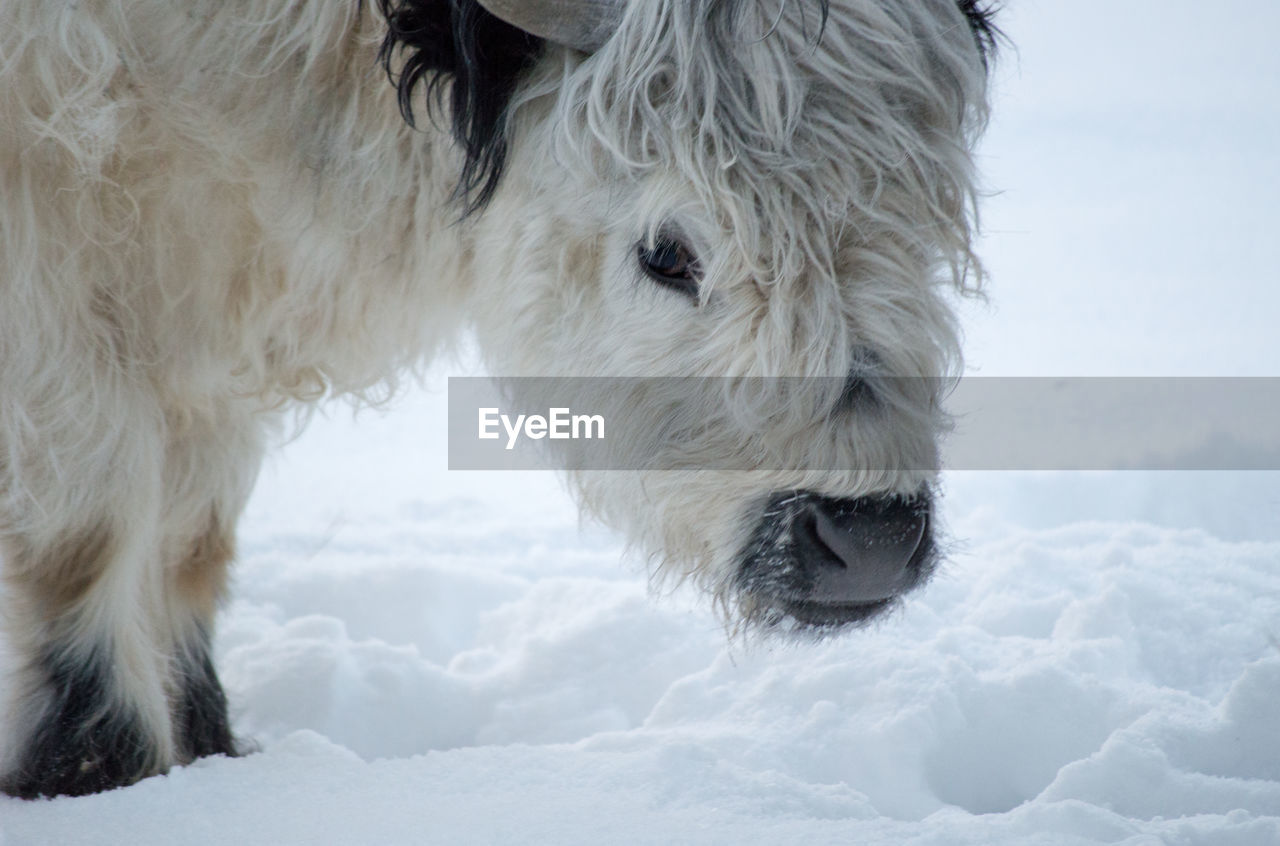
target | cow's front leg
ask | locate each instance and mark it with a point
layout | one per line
(111, 622)
(89, 709)
(200, 722)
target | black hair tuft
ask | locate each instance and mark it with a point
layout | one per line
(981, 18)
(458, 47)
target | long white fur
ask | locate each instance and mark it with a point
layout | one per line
(212, 216)
(827, 184)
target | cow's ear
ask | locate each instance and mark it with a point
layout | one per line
(981, 18)
(457, 49)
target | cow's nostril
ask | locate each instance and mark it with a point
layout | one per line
(863, 550)
(809, 538)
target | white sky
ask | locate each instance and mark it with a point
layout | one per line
(1135, 149)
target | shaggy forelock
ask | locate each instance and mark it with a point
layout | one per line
(803, 126)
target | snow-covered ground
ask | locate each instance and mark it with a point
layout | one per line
(435, 657)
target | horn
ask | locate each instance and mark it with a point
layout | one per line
(581, 24)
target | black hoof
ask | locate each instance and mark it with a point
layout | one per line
(201, 715)
(84, 743)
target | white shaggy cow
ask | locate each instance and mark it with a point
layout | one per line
(213, 215)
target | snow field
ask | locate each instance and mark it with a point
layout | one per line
(438, 674)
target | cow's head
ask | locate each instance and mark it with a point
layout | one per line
(777, 194)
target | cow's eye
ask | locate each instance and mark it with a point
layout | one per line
(670, 262)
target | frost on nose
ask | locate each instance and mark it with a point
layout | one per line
(826, 563)
(862, 550)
